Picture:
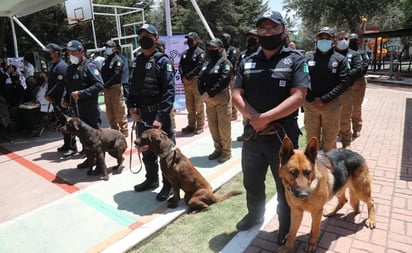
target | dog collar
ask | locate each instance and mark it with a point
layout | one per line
(165, 154)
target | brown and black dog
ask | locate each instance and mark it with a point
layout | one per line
(311, 179)
(96, 142)
(180, 172)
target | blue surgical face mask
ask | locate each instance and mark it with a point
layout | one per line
(109, 50)
(324, 45)
(342, 44)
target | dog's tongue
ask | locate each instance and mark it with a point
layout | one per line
(143, 149)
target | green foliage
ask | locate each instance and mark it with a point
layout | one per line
(406, 6)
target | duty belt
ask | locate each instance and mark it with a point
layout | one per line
(148, 108)
(275, 128)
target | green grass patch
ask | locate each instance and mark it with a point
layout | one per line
(206, 231)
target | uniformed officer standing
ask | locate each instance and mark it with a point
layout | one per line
(329, 78)
(84, 83)
(359, 86)
(112, 71)
(151, 98)
(213, 83)
(231, 52)
(345, 99)
(270, 86)
(191, 62)
(252, 45)
(56, 84)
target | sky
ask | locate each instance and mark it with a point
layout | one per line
(276, 5)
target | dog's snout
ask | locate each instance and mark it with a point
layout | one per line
(300, 193)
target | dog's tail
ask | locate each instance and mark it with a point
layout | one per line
(227, 195)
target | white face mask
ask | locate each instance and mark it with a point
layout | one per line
(342, 44)
(74, 59)
(109, 50)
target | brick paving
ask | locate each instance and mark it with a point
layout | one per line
(386, 144)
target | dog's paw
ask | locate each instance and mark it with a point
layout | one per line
(105, 178)
(310, 247)
(284, 249)
(370, 223)
(172, 205)
(118, 169)
(89, 172)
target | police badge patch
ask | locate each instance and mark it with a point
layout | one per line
(60, 77)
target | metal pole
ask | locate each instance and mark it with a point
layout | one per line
(168, 19)
(94, 35)
(27, 31)
(16, 51)
(202, 18)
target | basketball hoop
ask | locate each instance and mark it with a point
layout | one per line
(74, 20)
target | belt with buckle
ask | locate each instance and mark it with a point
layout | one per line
(148, 108)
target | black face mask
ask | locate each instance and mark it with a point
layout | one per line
(190, 42)
(252, 42)
(353, 45)
(213, 54)
(146, 42)
(271, 42)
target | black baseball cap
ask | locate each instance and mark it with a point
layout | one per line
(327, 30)
(52, 47)
(192, 35)
(273, 16)
(74, 45)
(353, 36)
(251, 32)
(215, 43)
(148, 28)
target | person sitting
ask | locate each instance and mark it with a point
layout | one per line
(33, 112)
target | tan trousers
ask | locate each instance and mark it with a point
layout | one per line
(322, 123)
(346, 102)
(219, 112)
(116, 108)
(358, 93)
(194, 105)
(234, 109)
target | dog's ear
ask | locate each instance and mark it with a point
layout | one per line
(286, 150)
(312, 148)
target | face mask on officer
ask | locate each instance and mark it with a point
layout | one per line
(270, 42)
(74, 59)
(109, 50)
(146, 42)
(190, 42)
(353, 44)
(252, 42)
(213, 54)
(324, 45)
(342, 44)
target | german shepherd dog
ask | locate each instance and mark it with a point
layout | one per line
(311, 179)
(180, 172)
(96, 142)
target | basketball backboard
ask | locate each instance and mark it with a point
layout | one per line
(78, 11)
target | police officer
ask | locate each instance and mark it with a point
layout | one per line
(270, 86)
(191, 62)
(213, 84)
(112, 71)
(359, 85)
(329, 78)
(231, 52)
(151, 98)
(56, 84)
(345, 99)
(84, 83)
(252, 45)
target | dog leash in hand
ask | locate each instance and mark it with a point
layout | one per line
(138, 152)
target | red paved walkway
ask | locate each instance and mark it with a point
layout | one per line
(386, 143)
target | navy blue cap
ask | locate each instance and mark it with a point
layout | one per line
(74, 45)
(148, 28)
(273, 16)
(52, 47)
(192, 35)
(252, 32)
(110, 43)
(327, 30)
(215, 43)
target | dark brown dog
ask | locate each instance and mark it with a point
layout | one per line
(311, 179)
(180, 172)
(96, 142)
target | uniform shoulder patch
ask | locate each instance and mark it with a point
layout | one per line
(169, 67)
(60, 77)
(305, 68)
(96, 72)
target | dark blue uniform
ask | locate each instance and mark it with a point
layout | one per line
(85, 78)
(152, 91)
(266, 84)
